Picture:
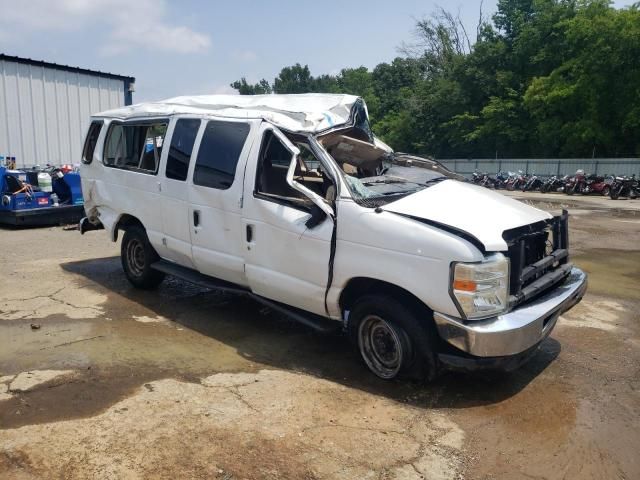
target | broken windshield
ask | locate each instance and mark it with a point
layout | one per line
(376, 176)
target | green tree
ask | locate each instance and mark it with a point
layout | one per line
(542, 77)
(294, 79)
(244, 88)
(592, 100)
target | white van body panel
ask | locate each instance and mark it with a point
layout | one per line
(285, 260)
(116, 192)
(306, 112)
(217, 242)
(466, 209)
(399, 251)
(176, 243)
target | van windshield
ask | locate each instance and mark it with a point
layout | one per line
(375, 176)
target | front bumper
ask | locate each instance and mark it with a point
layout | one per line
(517, 331)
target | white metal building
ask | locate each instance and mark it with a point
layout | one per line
(45, 108)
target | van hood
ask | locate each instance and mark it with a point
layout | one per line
(477, 211)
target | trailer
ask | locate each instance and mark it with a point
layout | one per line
(50, 196)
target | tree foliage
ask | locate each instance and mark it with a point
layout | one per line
(540, 78)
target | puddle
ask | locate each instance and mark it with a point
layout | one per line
(612, 273)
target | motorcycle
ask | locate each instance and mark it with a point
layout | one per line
(477, 177)
(519, 180)
(533, 183)
(489, 181)
(515, 180)
(624, 186)
(553, 184)
(483, 179)
(501, 179)
(576, 183)
(598, 184)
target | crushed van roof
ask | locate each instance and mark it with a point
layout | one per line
(308, 112)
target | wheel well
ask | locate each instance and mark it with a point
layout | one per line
(356, 287)
(124, 222)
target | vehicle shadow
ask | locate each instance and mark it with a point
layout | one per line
(264, 337)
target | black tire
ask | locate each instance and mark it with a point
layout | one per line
(394, 340)
(614, 193)
(571, 190)
(137, 255)
(605, 191)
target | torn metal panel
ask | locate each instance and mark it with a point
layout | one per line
(308, 113)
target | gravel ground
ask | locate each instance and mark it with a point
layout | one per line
(99, 380)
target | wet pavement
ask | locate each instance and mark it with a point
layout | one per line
(100, 380)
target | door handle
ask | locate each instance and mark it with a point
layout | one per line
(196, 218)
(249, 233)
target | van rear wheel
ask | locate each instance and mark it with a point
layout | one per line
(137, 256)
(391, 339)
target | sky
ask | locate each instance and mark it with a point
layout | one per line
(199, 47)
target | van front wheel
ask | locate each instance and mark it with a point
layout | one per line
(391, 339)
(137, 255)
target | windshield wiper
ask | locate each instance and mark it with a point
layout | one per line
(385, 181)
(431, 181)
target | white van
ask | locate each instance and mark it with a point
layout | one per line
(291, 199)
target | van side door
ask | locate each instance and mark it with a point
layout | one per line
(215, 197)
(286, 259)
(176, 241)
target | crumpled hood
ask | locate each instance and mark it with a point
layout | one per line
(478, 211)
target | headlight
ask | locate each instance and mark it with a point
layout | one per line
(481, 289)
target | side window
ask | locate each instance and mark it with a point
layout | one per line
(134, 146)
(182, 140)
(273, 166)
(91, 141)
(219, 152)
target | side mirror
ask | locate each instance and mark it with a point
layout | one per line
(316, 218)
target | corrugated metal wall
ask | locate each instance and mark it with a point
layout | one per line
(546, 167)
(44, 112)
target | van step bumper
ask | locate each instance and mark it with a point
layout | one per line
(517, 331)
(316, 322)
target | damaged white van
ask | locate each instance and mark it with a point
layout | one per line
(291, 200)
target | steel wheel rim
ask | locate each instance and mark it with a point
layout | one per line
(380, 346)
(135, 257)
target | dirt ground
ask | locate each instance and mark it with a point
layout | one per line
(99, 380)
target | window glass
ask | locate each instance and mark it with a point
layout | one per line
(135, 147)
(218, 154)
(182, 140)
(273, 165)
(90, 142)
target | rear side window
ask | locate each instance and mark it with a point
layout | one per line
(182, 140)
(134, 146)
(91, 141)
(219, 152)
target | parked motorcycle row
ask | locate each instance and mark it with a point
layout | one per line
(613, 186)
